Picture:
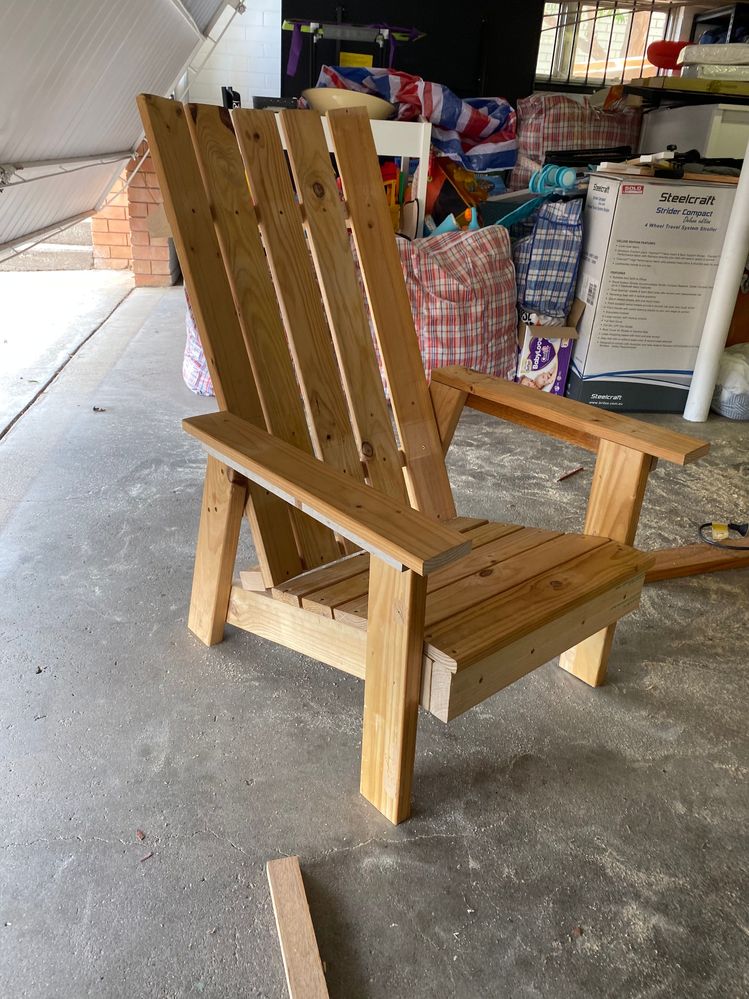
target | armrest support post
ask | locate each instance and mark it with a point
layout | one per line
(616, 495)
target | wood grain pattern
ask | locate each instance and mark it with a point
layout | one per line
(320, 590)
(220, 519)
(616, 494)
(426, 475)
(391, 688)
(330, 246)
(255, 300)
(490, 568)
(189, 215)
(301, 960)
(379, 524)
(450, 694)
(321, 638)
(574, 416)
(318, 579)
(480, 631)
(448, 403)
(556, 429)
(297, 290)
(693, 560)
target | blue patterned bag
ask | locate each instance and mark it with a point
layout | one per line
(546, 261)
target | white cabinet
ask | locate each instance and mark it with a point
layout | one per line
(715, 129)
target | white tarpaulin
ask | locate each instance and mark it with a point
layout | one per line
(69, 76)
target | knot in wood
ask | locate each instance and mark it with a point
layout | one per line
(367, 450)
(318, 189)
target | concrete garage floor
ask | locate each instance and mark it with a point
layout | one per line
(565, 841)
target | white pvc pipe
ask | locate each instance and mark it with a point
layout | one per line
(722, 302)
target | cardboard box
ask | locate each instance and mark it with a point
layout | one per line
(650, 252)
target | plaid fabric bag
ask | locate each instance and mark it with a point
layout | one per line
(194, 368)
(546, 261)
(462, 291)
(554, 121)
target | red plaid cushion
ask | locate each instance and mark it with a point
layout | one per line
(463, 299)
(554, 121)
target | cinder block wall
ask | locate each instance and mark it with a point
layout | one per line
(248, 58)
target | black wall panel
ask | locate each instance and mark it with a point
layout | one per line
(476, 49)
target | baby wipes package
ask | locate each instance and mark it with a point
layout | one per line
(545, 350)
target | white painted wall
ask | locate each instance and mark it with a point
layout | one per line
(248, 57)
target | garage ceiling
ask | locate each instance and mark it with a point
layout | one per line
(69, 74)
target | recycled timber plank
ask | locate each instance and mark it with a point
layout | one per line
(426, 475)
(385, 527)
(255, 300)
(391, 688)
(693, 560)
(341, 290)
(188, 211)
(592, 424)
(301, 959)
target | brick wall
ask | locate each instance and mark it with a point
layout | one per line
(110, 230)
(248, 57)
(120, 231)
(150, 254)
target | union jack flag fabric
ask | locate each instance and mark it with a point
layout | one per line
(478, 133)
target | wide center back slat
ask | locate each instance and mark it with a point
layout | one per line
(297, 290)
(356, 156)
(329, 242)
(255, 300)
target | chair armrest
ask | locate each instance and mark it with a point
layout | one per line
(385, 527)
(576, 422)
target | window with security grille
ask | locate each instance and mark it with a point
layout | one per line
(603, 43)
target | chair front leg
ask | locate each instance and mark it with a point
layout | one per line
(616, 495)
(395, 638)
(224, 498)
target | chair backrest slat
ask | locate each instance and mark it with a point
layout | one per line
(330, 246)
(297, 290)
(189, 215)
(356, 156)
(255, 300)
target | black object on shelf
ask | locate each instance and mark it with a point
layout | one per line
(583, 157)
(273, 102)
(230, 98)
(733, 20)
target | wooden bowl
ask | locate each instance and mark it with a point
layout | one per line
(324, 99)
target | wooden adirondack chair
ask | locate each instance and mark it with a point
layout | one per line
(363, 561)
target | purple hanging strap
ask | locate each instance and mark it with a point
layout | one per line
(295, 50)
